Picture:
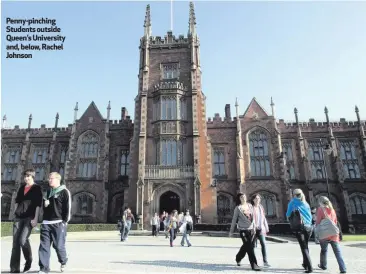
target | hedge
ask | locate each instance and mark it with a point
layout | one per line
(7, 228)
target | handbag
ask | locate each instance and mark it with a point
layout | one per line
(326, 228)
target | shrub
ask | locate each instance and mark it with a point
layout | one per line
(7, 228)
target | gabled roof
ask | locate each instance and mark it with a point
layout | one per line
(255, 110)
(93, 111)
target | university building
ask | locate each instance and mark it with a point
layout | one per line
(172, 157)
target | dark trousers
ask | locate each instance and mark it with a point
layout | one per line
(262, 240)
(303, 238)
(155, 230)
(55, 234)
(248, 237)
(22, 228)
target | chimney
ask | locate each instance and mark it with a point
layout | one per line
(124, 113)
(227, 112)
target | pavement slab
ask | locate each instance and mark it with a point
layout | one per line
(102, 252)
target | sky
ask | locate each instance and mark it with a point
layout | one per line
(303, 54)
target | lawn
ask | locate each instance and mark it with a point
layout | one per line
(353, 238)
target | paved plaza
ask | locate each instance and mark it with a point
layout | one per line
(102, 252)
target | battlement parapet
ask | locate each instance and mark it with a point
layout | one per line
(35, 131)
(218, 121)
(168, 40)
(169, 85)
(312, 124)
(118, 124)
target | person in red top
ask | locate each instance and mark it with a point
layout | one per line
(326, 207)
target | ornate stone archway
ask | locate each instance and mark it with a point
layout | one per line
(159, 191)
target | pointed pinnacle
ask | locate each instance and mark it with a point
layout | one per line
(236, 102)
(109, 105)
(30, 116)
(325, 110)
(295, 110)
(147, 22)
(76, 107)
(4, 117)
(272, 104)
(356, 109)
(57, 116)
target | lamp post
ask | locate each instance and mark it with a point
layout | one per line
(326, 151)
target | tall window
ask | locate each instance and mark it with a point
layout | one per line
(125, 162)
(358, 204)
(168, 108)
(118, 205)
(316, 158)
(287, 150)
(170, 71)
(63, 154)
(39, 160)
(84, 203)
(170, 152)
(223, 209)
(5, 205)
(183, 109)
(11, 161)
(349, 160)
(268, 202)
(88, 155)
(219, 161)
(259, 154)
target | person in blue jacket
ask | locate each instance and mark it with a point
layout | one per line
(299, 203)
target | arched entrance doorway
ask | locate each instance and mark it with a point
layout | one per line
(169, 201)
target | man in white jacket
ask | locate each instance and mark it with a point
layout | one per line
(154, 224)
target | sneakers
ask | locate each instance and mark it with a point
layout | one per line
(63, 267)
(322, 267)
(266, 264)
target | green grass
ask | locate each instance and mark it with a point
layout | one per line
(353, 238)
(7, 228)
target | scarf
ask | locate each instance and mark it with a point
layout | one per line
(54, 191)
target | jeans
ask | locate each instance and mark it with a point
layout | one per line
(22, 228)
(337, 252)
(303, 238)
(173, 235)
(185, 238)
(248, 237)
(126, 230)
(154, 230)
(262, 240)
(55, 234)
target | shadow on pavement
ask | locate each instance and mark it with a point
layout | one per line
(204, 266)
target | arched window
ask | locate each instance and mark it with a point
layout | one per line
(124, 162)
(259, 154)
(84, 203)
(268, 202)
(88, 155)
(118, 201)
(349, 159)
(5, 205)
(358, 204)
(224, 206)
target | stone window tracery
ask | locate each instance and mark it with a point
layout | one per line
(349, 159)
(170, 71)
(88, 155)
(316, 158)
(125, 162)
(224, 208)
(259, 154)
(290, 163)
(358, 203)
(219, 161)
(268, 201)
(11, 160)
(84, 203)
(39, 160)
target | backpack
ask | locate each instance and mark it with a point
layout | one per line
(189, 226)
(296, 222)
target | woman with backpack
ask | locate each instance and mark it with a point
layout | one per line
(261, 225)
(299, 215)
(325, 211)
(243, 218)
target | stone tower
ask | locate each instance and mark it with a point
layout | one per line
(170, 155)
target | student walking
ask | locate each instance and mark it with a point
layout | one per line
(172, 225)
(324, 211)
(128, 219)
(186, 229)
(261, 228)
(243, 218)
(56, 215)
(155, 224)
(299, 214)
(27, 206)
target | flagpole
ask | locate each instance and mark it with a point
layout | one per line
(171, 15)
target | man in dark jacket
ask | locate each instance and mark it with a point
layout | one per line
(56, 215)
(27, 206)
